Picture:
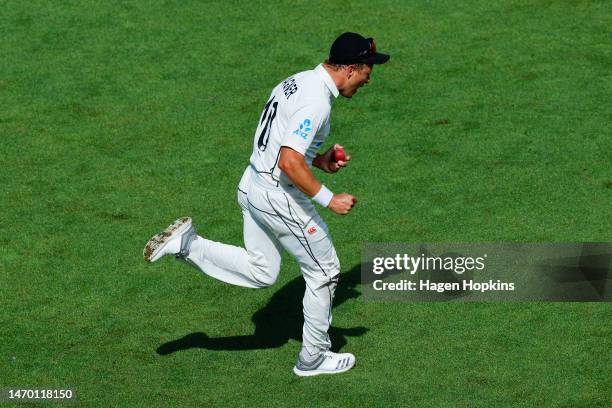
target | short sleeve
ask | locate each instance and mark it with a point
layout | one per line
(304, 124)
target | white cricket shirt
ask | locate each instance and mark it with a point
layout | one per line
(297, 116)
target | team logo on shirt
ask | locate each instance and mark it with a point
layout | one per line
(289, 87)
(304, 129)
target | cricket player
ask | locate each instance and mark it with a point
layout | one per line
(276, 195)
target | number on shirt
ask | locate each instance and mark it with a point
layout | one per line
(268, 116)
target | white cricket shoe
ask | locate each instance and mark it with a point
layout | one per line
(327, 363)
(174, 240)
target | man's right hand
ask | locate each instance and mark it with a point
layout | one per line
(342, 203)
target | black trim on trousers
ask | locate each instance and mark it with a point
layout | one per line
(263, 211)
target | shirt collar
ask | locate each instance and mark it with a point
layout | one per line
(324, 75)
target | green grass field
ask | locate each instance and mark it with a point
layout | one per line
(490, 123)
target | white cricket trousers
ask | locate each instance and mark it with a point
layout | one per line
(274, 219)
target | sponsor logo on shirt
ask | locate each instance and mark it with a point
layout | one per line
(311, 230)
(304, 129)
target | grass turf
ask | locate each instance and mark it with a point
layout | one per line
(490, 123)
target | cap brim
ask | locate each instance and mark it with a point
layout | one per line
(378, 58)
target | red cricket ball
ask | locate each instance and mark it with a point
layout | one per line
(339, 154)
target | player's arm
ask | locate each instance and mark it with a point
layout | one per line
(294, 166)
(326, 160)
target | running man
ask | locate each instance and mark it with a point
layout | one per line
(276, 195)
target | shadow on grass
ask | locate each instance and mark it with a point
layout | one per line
(277, 322)
(588, 274)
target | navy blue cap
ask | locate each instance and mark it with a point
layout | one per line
(352, 48)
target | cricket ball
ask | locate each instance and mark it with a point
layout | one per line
(339, 154)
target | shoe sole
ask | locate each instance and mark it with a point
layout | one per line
(311, 373)
(157, 242)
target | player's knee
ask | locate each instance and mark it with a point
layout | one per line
(335, 266)
(327, 259)
(325, 270)
(265, 275)
(331, 265)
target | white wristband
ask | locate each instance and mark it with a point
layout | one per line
(324, 196)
